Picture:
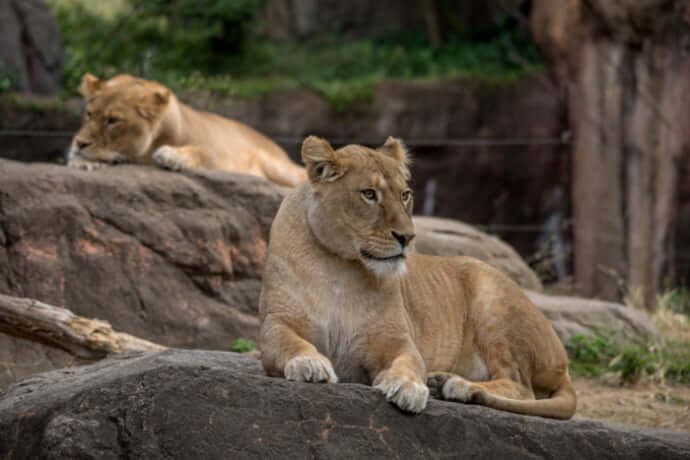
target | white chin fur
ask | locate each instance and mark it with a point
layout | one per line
(386, 268)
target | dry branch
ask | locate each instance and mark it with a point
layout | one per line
(58, 327)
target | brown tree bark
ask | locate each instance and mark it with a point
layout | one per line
(82, 337)
(625, 64)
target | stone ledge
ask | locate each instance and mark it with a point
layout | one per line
(204, 404)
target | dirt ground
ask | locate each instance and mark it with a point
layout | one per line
(647, 403)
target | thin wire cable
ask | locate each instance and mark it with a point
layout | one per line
(426, 142)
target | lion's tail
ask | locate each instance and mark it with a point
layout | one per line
(561, 404)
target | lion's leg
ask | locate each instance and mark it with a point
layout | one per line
(184, 157)
(285, 353)
(456, 388)
(400, 375)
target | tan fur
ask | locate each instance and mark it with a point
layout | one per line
(129, 119)
(329, 312)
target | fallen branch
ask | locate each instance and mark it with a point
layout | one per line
(58, 327)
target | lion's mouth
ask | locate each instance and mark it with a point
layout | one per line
(371, 256)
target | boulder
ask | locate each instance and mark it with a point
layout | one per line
(444, 237)
(187, 404)
(172, 258)
(575, 315)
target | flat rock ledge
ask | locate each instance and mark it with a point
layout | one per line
(186, 404)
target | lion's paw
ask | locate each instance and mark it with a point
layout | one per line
(310, 369)
(405, 393)
(85, 165)
(167, 157)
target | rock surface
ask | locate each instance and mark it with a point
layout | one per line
(201, 404)
(574, 315)
(443, 237)
(172, 258)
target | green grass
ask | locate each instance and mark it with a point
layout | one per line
(676, 300)
(595, 356)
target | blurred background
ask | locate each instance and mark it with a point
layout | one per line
(560, 126)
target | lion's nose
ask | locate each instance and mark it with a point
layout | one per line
(82, 144)
(403, 238)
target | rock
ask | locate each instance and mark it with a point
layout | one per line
(172, 258)
(573, 315)
(625, 64)
(177, 258)
(201, 404)
(30, 45)
(443, 237)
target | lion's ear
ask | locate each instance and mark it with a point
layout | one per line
(161, 96)
(321, 160)
(395, 148)
(89, 85)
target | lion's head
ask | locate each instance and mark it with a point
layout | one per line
(361, 207)
(120, 117)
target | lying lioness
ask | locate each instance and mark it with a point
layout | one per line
(344, 297)
(129, 119)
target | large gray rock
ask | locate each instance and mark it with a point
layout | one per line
(444, 237)
(575, 315)
(201, 404)
(172, 258)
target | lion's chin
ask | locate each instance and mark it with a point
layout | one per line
(386, 268)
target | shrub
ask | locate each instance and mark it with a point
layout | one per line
(243, 346)
(595, 355)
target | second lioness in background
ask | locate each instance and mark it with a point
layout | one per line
(132, 120)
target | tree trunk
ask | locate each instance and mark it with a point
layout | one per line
(82, 337)
(626, 65)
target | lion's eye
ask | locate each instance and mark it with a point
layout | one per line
(406, 195)
(88, 115)
(369, 194)
(112, 120)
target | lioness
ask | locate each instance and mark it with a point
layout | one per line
(130, 119)
(345, 298)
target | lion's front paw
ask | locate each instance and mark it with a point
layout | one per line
(310, 369)
(86, 165)
(169, 158)
(405, 393)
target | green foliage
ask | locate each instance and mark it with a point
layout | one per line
(676, 355)
(635, 362)
(590, 355)
(595, 355)
(243, 346)
(160, 39)
(187, 44)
